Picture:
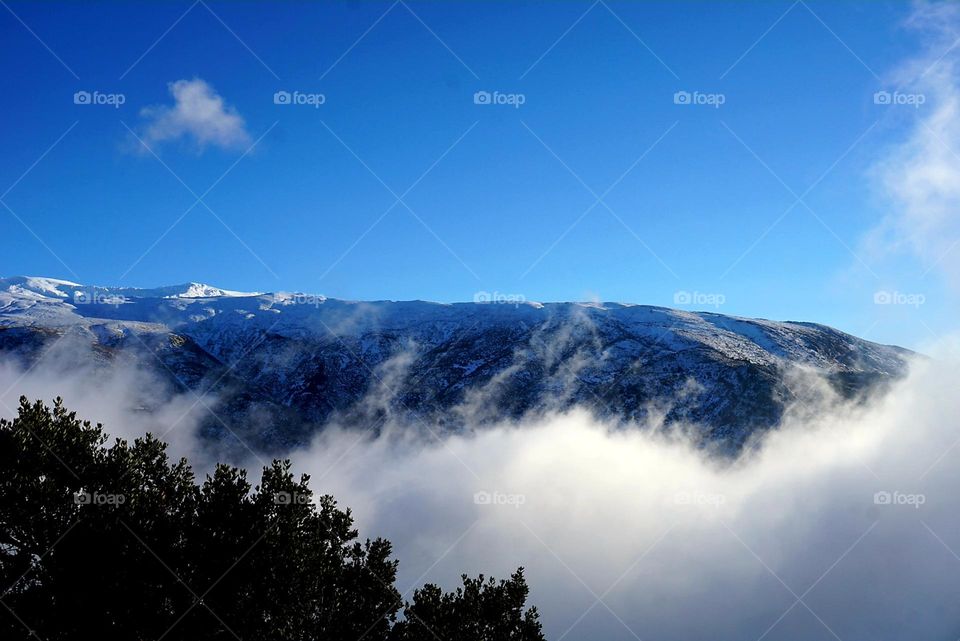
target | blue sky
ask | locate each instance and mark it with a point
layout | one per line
(494, 197)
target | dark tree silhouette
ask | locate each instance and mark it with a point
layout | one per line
(481, 609)
(119, 542)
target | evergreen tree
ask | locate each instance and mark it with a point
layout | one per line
(481, 610)
(121, 543)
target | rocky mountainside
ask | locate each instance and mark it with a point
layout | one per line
(278, 366)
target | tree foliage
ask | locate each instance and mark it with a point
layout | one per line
(120, 542)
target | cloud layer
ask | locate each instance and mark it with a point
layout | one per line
(845, 522)
(198, 115)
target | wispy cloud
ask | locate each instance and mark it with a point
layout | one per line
(198, 114)
(921, 173)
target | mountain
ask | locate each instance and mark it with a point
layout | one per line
(275, 367)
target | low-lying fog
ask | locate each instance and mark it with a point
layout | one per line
(842, 524)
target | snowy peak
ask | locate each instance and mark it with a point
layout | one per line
(39, 286)
(201, 290)
(64, 289)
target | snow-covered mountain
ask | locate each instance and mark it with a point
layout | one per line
(282, 364)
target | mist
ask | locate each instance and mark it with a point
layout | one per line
(128, 398)
(843, 523)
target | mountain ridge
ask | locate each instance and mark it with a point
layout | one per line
(283, 365)
(196, 289)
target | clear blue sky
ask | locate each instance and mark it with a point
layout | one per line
(298, 212)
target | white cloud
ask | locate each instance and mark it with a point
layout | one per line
(921, 174)
(199, 114)
(679, 545)
(128, 399)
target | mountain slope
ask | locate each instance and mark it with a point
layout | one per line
(280, 365)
